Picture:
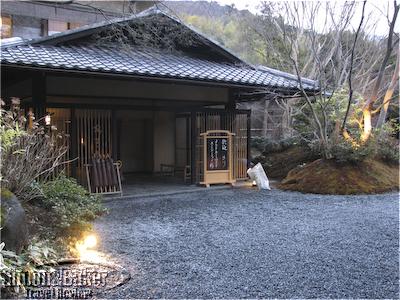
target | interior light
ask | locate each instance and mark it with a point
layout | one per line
(47, 120)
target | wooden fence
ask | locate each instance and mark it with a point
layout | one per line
(93, 136)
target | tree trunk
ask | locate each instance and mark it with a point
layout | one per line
(367, 124)
(388, 95)
(367, 109)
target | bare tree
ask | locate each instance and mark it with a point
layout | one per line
(388, 95)
(374, 96)
(335, 54)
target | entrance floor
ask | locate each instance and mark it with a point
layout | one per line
(146, 185)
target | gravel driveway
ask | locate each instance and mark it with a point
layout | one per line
(249, 244)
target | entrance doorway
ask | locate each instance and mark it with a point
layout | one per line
(136, 145)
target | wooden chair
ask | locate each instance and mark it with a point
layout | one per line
(172, 170)
(103, 176)
(167, 170)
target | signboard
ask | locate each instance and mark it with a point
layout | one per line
(217, 157)
(217, 153)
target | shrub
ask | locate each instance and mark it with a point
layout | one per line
(258, 143)
(388, 149)
(71, 205)
(268, 145)
(344, 151)
(347, 151)
(37, 257)
(28, 153)
(386, 143)
(280, 145)
(272, 147)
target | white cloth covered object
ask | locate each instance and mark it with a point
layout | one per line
(258, 175)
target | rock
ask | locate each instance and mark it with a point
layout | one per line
(14, 232)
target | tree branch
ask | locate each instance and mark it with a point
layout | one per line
(351, 68)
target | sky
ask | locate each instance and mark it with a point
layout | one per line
(376, 10)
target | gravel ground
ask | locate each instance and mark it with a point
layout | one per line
(249, 244)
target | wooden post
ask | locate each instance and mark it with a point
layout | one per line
(73, 143)
(114, 136)
(193, 136)
(39, 95)
(230, 108)
(231, 105)
(248, 138)
(187, 138)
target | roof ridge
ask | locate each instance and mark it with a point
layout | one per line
(87, 29)
(213, 42)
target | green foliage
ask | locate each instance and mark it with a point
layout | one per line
(9, 135)
(2, 216)
(388, 149)
(258, 143)
(6, 194)
(328, 109)
(71, 205)
(382, 144)
(266, 145)
(344, 150)
(29, 152)
(233, 33)
(40, 255)
(386, 143)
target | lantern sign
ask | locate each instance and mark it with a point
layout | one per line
(217, 153)
(217, 157)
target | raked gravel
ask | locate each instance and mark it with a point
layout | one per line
(238, 243)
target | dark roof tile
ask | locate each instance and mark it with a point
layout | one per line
(147, 61)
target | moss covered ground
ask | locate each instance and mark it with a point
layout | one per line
(278, 164)
(328, 177)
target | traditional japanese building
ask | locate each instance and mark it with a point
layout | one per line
(140, 89)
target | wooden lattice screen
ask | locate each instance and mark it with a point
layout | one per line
(93, 136)
(61, 119)
(235, 122)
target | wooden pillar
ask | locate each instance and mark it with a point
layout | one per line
(187, 138)
(193, 139)
(248, 138)
(73, 144)
(231, 105)
(39, 95)
(230, 109)
(114, 137)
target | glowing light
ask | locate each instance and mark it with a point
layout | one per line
(85, 250)
(47, 120)
(367, 125)
(254, 183)
(90, 241)
(91, 256)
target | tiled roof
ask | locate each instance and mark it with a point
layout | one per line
(146, 62)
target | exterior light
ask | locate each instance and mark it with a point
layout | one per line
(47, 120)
(90, 241)
(85, 252)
